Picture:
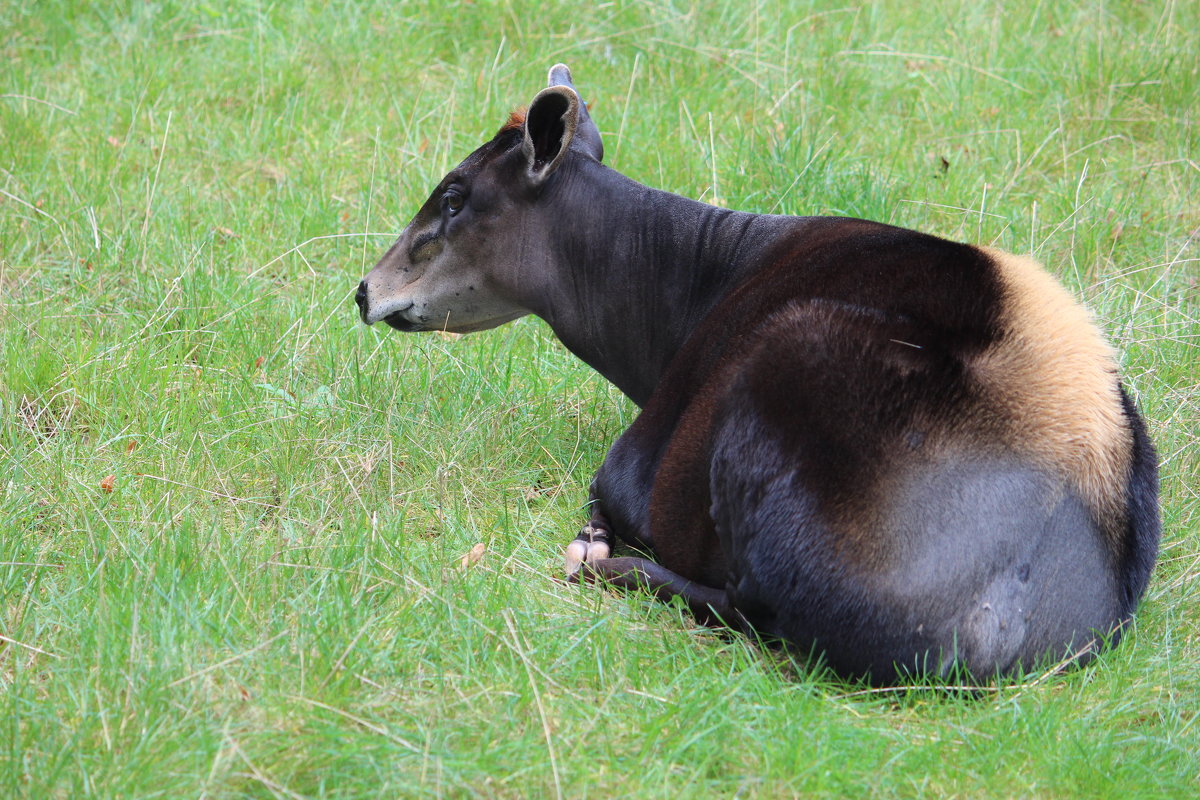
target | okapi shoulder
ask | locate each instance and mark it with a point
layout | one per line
(1052, 378)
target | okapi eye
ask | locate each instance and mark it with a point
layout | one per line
(453, 201)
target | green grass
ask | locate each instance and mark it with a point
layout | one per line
(269, 602)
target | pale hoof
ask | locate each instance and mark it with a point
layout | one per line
(591, 545)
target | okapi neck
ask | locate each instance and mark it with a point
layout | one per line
(636, 269)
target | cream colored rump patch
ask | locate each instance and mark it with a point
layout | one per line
(1053, 376)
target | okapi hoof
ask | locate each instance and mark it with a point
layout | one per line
(592, 544)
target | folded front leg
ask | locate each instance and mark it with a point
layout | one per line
(710, 606)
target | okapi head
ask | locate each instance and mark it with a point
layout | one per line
(474, 257)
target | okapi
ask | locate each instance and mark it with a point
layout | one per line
(909, 455)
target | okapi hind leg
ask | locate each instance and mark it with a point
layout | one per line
(710, 606)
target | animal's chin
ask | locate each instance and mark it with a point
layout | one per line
(402, 323)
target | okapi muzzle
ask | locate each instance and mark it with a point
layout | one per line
(907, 455)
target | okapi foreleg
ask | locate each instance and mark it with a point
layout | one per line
(710, 606)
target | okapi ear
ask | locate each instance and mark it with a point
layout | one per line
(550, 126)
(587, 135)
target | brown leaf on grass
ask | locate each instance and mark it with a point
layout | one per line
(472, 557)
(538, 491)
(226, 232)
(129, 448)
(107, 483)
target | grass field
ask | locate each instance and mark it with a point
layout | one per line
(232, 518)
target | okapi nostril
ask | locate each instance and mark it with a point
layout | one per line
(360, 297)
